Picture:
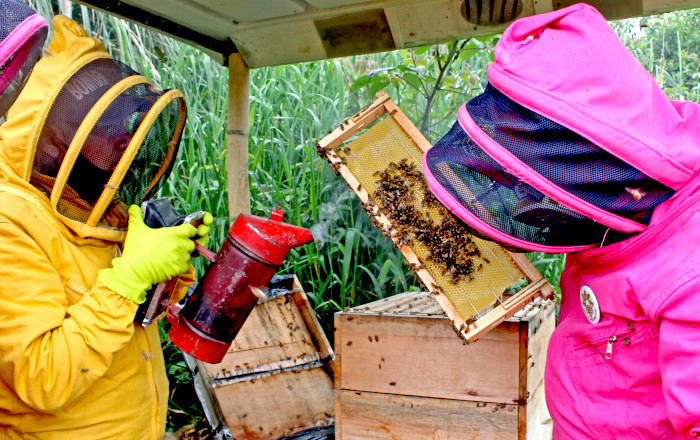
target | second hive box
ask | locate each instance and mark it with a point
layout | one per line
(403, 374)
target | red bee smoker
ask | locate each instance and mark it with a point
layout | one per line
(253, 251)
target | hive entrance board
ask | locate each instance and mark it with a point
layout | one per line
(477, 282)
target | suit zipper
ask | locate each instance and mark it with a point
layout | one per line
(626, 337)
(609, 348)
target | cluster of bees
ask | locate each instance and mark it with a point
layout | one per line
(323, 152)
(404, 198)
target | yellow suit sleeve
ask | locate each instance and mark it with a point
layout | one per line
(185, 281)
(53, 352)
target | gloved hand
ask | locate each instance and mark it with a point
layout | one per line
(203, 229)
(150, 256)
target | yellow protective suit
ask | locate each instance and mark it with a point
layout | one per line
(73, 365)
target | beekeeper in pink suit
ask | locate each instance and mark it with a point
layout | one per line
(574, 148)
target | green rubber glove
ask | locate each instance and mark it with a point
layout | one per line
(204, 228)
(150, 256)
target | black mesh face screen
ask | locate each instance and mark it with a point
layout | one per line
(567, 159)
(15, 72)
(146, 173)
(72, 104)
(12, 13)
(23, 52)
(498, 198)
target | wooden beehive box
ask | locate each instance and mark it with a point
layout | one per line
(277, 377)
(401, 373)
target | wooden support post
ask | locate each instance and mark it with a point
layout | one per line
(237, 136)
(66, 8)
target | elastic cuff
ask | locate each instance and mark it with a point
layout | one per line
(130, 290)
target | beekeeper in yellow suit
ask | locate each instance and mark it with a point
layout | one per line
(86, 138)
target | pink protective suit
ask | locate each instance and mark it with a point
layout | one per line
(624, 360)
(634, 374)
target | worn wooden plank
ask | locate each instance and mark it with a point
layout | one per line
(407, 126)
(338, 339)
(254, 372)
(277, 405)
(531, 271)
(522, 378)
(338, 416)
(503, 311)
(275, 380)
(272, 322)
(421, 356)
(661, 6)
(418, 305)
(541, 328)
(397, 302)
(274, 331)
(378, 416)
(237, 136)
(387, 304)
(307, 313)
(359, 121)
(539, 422)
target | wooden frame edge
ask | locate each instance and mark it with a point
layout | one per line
(301, 300)
(470, 332)
(357, 122)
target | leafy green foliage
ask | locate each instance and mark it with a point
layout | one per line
(429, 83)
(185, 414)
(668, 46)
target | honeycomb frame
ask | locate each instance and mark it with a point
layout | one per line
(469, 326)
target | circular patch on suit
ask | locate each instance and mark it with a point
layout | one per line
(589, 304)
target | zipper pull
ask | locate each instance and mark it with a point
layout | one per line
(608, 349)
